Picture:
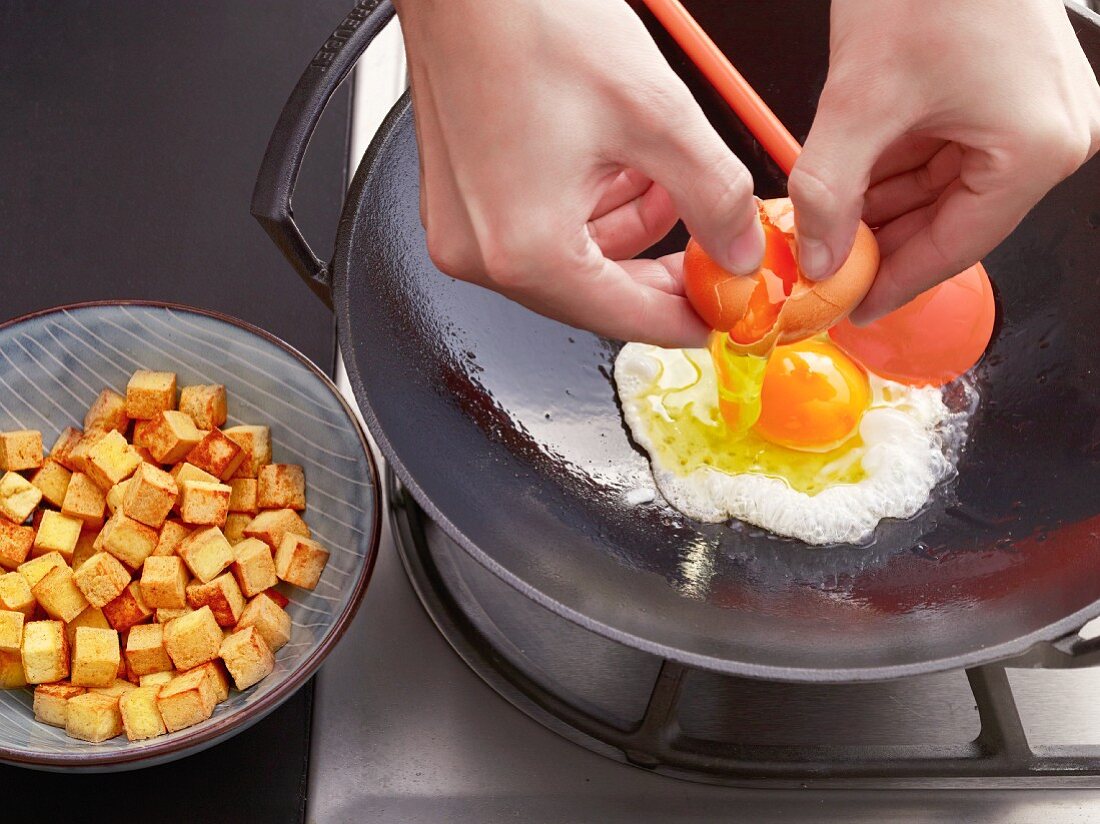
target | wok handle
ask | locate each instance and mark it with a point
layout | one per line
(271, 199)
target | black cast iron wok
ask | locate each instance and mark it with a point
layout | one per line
(504, 425)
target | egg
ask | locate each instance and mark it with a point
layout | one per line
(831, 449)
(777, 304)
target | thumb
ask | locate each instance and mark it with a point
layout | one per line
(830, 179)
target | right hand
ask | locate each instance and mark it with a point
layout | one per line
(555, 144)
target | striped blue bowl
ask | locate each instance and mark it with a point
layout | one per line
(52, 366)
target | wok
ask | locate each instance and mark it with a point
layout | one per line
(504, 425)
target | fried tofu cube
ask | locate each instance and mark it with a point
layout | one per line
(163, 616)
(253, 566)
(128, 540)
(21, 449)
(156, 679)
(101, 578)
(45, 652)
(91, 617)
(58, 533)
(140, 437)
(256, 441)
(115, 690)
(79, 455)
(107, 413)
(274, 525)
(93, 717)
(15, 543)
(282, 486)
(270, 619)
(164, 582)
(235, 523)
(223, 596)
(85, 547)
(36, 569)
(300, 561)
(15, 594)
(64, 445)
(172, 535)
(84, 500)
(51, 702)
(150, 393)
(189, 472)
(204, 504)
(193, 639)
(115, 496)
(145, 652)
(243, 497)
(12, 676)
(111, 460)
(206, 404)
(150, 495)
(173, 435)
(186, 700)
(58, 594)
(11, 630)
(207, 553)
(128, 609)
(19, 497)
(217, 454)
(96, 657)
(52, 480)
(219, 678)
(247, 657)
(140, 714)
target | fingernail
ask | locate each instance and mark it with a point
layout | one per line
(746, 253)
(814, 258)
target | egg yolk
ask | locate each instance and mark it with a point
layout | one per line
(812, 396)
(774, 282)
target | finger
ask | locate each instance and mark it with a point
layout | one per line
(830, 178)
(905, 154)
(665, 273)
(902, 193)
(634, 226)
(623, 188)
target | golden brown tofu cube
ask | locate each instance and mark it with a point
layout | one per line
(156, 679)
(11, 630)
(206, 404)
(96, 657)
(107, 413)
(163, 616)
(300, 561)
(15, 594)
(222, 595)
(21, 449)
(45, 652)
(247, 657)
(15, 543)
(115, 496)
(140, 714)
(270, 619)
(164, 582)
(253, 566)
(79, 455)
(150, 494)
(193, 639)
(57, 533)
(140, 438)
(128, 609)
(91, 617)
(128, 540)
(93, 717)
(274, 525)
(172, 437)
(243, 495)
(207, 553)
(117, 689)
(12, 676)
(171, 536)
(111, 460)
(84, 500)
(101, 578)
(186, 700)
(19, 497)
(282, 486)
(189, 472)
(256, 441)
(204, 504)
(235, 523)
(51, 702)
(219, 678)
(52, 480)
(85, 547)
(150, 393)
(58, 594)
(64, 445)
(36, 569)
(145, 652)
(217, 454)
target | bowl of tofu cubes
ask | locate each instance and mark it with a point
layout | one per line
(189, 516)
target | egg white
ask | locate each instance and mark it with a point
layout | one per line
(903, 434)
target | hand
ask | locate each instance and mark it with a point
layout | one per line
(556, 143)
(943, 122)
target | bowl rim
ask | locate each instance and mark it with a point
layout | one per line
(215, 730)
